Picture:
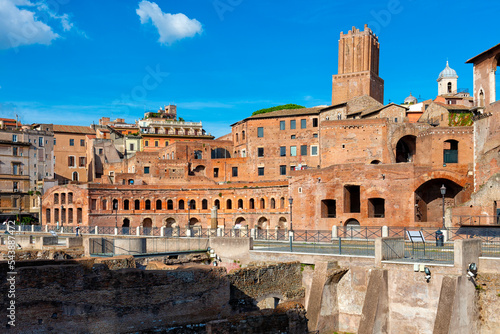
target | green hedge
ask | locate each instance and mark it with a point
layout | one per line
(460, 119)
(282, 107)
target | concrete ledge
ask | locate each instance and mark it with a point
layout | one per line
(130, 246)
(74, 242)
(466, 252)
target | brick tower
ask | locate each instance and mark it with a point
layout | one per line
(358, 67)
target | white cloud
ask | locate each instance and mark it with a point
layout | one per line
(23, 22)
(171, 27)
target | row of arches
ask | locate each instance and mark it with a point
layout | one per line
(181, 204)
(240, 222)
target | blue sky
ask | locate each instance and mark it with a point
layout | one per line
(72, 62)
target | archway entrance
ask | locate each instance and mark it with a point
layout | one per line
(240, 222)
(263, 223)
(352, 223)
(405, 149)
(429, 201)
(282, 223)
(147, 223)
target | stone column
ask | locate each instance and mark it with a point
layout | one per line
(213, 221)
(335, 233)
(385, 231)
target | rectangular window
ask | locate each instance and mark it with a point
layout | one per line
(282, 151)
(303, 123)
(15, 186)
(235, 171)
(282, 125)
(260, 151)
(293, 151)
(216, 172)
(293, 124)
(54, 141)
(352, 199)
(260, 171)
(156, 143)
(314, 150)
(14, 138)
(82, 142)
(40, 141)
(260, 132)
(293, 137)
(315, 122)
(328, 208)
(283, 170)
(315, 135)
(82, 161)
(146, 143)
(146, 170)
(131, 147)
(71, 161)
(303, 150)
(14, 151)
(100, 151)
(71, 142)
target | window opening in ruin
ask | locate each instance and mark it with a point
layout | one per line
(70, 216)
(56, 198)
(282, 169)
(79, 213)
(70, 198)
(240, 204)
(252, 203)
(237, 137)
(376, 208)
(282, 202)
(47, 216)
(198, 154)
(405, 149)
(137, 205)
(217, 204)
(130, 181)
(56, 215)
(146, 170)
(126, 223)
(450, 152)
(352, 223)
(147, 205)
(204, 204)
(328, 208)
(235, 171)
(273, 203)
(104, 204)
(170, 204)
(158, 204)
(216, 172)
(229, 204)
(352, 202)
(242, 135)
(126, 204)
(93, 204)
(181, 204)
(262, 203)
(63, 215)
(375, 162)
(315, 122)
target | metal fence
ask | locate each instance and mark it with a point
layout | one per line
(428, 252)
(365, 247)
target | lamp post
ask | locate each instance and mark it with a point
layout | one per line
(115, 207)
(443, 192)
(62, 216)
(189, 212)
(290, 234)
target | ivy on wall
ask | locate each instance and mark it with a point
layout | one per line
(285, 106)
(460, 119)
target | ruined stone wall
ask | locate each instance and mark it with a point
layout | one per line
(88, 297)
(353, 141)
(488, 304)
(487, 146)
(258, 283)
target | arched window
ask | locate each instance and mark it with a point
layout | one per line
(229, 204)
(240, 204)
(181, 204)
(126, 204)
(75, 176)
(104, 204)
(262, 203)
(252, 203)
(158, 204)
(147, 205)
(204, 204)
(137, 204)
(56, 198)
(273, 203)
(243, 135)
(449, 88)
(481, 98)
(131, 181)
(170, 204)
(282, 202)
(237, 137)
(217, 204)
(192, 204)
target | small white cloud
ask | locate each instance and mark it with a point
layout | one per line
(171, 27)
(21, 27)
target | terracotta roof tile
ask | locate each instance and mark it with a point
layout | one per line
(73, 129)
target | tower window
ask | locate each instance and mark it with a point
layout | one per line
(449, 87)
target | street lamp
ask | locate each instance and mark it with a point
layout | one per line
(189, 212)
(115, 207)
(290, 234)
(62, 216)
(443, 192)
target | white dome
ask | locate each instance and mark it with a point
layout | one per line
(448, 72)
(411, 100)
